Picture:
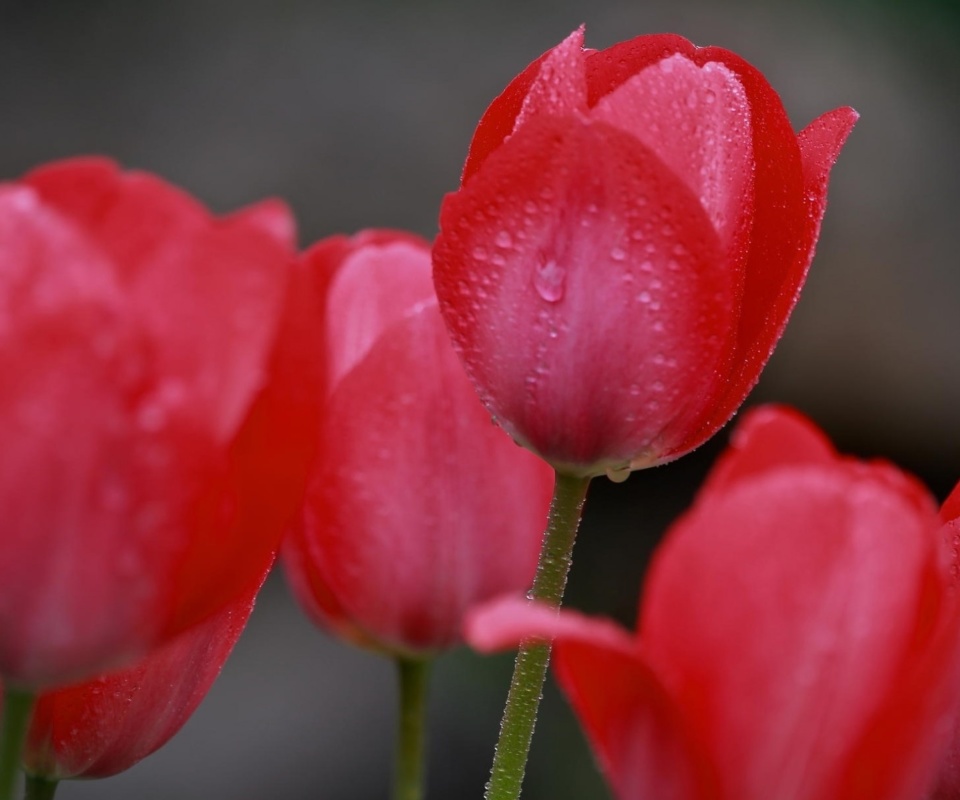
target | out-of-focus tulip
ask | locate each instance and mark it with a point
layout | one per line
(947, 785)
(153, 412)
(419, 506)
(106, 725)
(798, 636)
(631, 233)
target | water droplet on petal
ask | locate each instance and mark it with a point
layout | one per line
(549, 280)
(480, 253)
(504, 240)
(618, 474)
(618, 254)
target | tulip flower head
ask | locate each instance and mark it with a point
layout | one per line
(798, 639)
(418, 507)
(631, 233)
(155, 439)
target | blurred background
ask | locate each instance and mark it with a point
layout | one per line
(359, 114)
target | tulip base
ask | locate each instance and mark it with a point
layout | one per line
(40, 788)
(411, 733)
(533, 658)
(17, 708)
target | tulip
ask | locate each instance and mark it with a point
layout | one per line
(109, 723)
(798, 636)
(947, 784)
(418, 506)
(153, 414)
(631, 232)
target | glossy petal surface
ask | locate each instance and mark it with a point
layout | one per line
(631, 233)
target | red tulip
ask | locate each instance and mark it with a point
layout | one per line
(631, 233)
(108, 724)
(798, 636)
(153, 417)
(419, 507)
(947, 786)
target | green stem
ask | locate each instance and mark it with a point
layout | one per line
(530, 672)
(411, 735)
(17, 708)
(40, 788)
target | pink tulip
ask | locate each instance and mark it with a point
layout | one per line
(631, 233)
(798, 639)
(419, 507)
(153, 413)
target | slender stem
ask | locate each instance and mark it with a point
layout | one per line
(411, 735)
(17, 708)
(530, 672)
(40, 788)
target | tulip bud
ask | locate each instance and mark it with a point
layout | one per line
(631, 233)
(419, 506)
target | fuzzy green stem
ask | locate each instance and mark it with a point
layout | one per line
(17, 708)
(40, 788)
(411, 734)
(530, 672)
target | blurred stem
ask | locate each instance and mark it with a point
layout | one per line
(17, 707)
(411, 735)
(40, 788)
(530, 672)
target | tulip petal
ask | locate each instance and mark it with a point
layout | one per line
(609, 68)
(636, 731)
(768, 437)
(374, 287)
(697, 120)
(104, 726)
(442, 497)
(560, 88)
(503, 623)
(575, 238)
(776, 264)
(207, 295)
(770, 661)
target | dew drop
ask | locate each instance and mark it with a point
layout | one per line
(709, 96)
(549, 280)
(618, 254)
(504, 240)
(480, 253)
(618, 474)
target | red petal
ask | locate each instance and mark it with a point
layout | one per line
(635, 728)
(697, 120)
(374, 287)
(560, 88)
(608, 68)
(106, 725)
(765, 438)
(779, 256)
(503, 623)
(783, 665)
(405, 565)
(583, 285)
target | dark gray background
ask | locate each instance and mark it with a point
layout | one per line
(359, 115)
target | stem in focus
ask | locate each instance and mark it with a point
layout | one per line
(530, 672)
(17, 708)
(411, 734)
(40, 788)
